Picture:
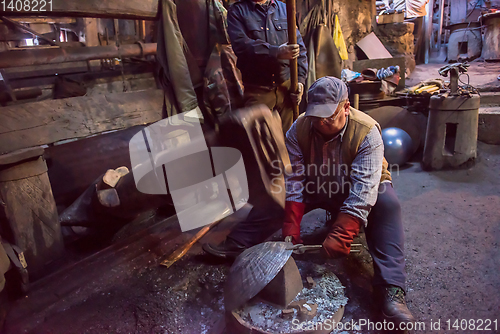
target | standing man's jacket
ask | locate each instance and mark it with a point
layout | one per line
(256, 35)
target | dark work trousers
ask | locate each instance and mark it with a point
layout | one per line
(276, 99)
(384, 233)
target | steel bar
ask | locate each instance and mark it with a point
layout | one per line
(182, 250)
(123, 9)
(441, 16)
(28, 57)
(428, 30)
(292, 39)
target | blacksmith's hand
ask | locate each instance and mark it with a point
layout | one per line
(338, 241)
(297, 97)
(291, 224)
(288, 51)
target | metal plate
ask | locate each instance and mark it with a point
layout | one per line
(253, 270)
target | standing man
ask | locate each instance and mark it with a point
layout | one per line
(415, 13)
(337, 157)
(259, 34)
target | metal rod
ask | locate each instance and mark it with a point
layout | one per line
(29, 57)
(116, 25)
(292, 39)
(143, 31)
(441, 15)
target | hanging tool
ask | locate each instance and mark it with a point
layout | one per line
(454, 70)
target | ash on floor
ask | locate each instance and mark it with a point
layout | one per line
(328, 295)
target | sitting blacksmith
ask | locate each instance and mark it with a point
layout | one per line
(338, 164)
(337, 157)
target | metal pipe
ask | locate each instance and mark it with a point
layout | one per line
(441, 15)
(428, 30)
(291, 11)
(29, 57)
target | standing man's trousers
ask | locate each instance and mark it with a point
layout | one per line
(276, 98)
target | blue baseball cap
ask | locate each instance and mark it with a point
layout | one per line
(324, 96)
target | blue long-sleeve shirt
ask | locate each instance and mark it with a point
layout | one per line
(256, 32)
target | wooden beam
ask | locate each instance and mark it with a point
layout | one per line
(92, 39)
(144, 9)
(46, 122)
(51, 20)
(7, 34)
(21, 27)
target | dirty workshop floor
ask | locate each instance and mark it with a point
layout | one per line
(452, 225)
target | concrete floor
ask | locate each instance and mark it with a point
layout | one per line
(452, 225)
(482, 75)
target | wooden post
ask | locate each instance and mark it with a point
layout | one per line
(91, 39)
(116, 25)
(29, 207)
(292, 39)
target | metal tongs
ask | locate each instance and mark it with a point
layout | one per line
(301, 248)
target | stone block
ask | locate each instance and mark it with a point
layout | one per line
(284, 287)
(488, 125)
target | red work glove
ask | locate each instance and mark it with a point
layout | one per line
(338, 241)
(293, 216)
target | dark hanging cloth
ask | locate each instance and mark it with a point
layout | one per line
(174, 72)
(223, 88)
(316, 23)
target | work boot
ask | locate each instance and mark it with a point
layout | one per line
(391, 300)
(228, 249)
